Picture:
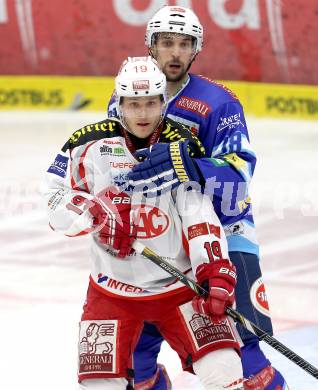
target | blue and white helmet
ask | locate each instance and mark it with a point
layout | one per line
(175, 19)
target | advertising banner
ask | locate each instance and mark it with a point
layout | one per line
(93, 93)
(270, 41)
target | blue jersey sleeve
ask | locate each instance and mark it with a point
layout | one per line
(111, 108)
(230, 163)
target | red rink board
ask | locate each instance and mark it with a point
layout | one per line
(269, 41)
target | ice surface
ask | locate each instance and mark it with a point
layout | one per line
(44, 275)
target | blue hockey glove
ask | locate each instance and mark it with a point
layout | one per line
(163, 167)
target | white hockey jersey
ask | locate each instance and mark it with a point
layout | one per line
(181, 227)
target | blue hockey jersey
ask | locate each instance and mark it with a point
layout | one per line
(216, 116)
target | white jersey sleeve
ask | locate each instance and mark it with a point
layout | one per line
(67, 191)
(205, 238)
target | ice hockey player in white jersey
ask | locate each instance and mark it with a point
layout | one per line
(85, 196)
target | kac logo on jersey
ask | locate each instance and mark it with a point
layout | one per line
(59, 167)
(150, 220)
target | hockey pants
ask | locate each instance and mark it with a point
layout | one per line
(250, 301)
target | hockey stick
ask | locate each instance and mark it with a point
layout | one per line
(299, 361)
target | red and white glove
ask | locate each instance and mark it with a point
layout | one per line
(219, 279)
(112, 222)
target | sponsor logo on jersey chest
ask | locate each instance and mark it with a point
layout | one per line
(194, 105)
(105, 149)
(121, 179)
(112, 151)
(121, 165)
(152, 222)
(111, 142)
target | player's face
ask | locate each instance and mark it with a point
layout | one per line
(174, 53)
(142, 114)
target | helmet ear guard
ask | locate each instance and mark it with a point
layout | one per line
(175, 20)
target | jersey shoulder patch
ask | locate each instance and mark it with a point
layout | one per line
(106, 128)
(173, 132)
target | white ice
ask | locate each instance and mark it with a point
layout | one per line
(44, 275)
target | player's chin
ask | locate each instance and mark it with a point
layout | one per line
(175, 76)
(143, 131)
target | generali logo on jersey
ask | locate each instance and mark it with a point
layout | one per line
(151, 221)
(206, 332)
(194, 105)
(98, 346)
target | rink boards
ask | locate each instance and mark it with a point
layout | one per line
(93, 93)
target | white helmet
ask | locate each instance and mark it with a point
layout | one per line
(175, 19)
(140, 76)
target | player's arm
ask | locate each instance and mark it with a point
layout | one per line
(206, 244)
(67, 191)
(73, 207)
(231, 159)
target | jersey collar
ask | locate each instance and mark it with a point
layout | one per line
(181, 89)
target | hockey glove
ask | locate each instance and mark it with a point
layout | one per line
(163, 167)
(219, 279)
(112, 222)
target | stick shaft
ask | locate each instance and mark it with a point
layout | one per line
(247, 324)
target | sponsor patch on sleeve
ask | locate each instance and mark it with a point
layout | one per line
(215, 230)
(56, 199)
(200, 229)
(59, 166)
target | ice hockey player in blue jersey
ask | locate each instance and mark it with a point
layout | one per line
(174, 37)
